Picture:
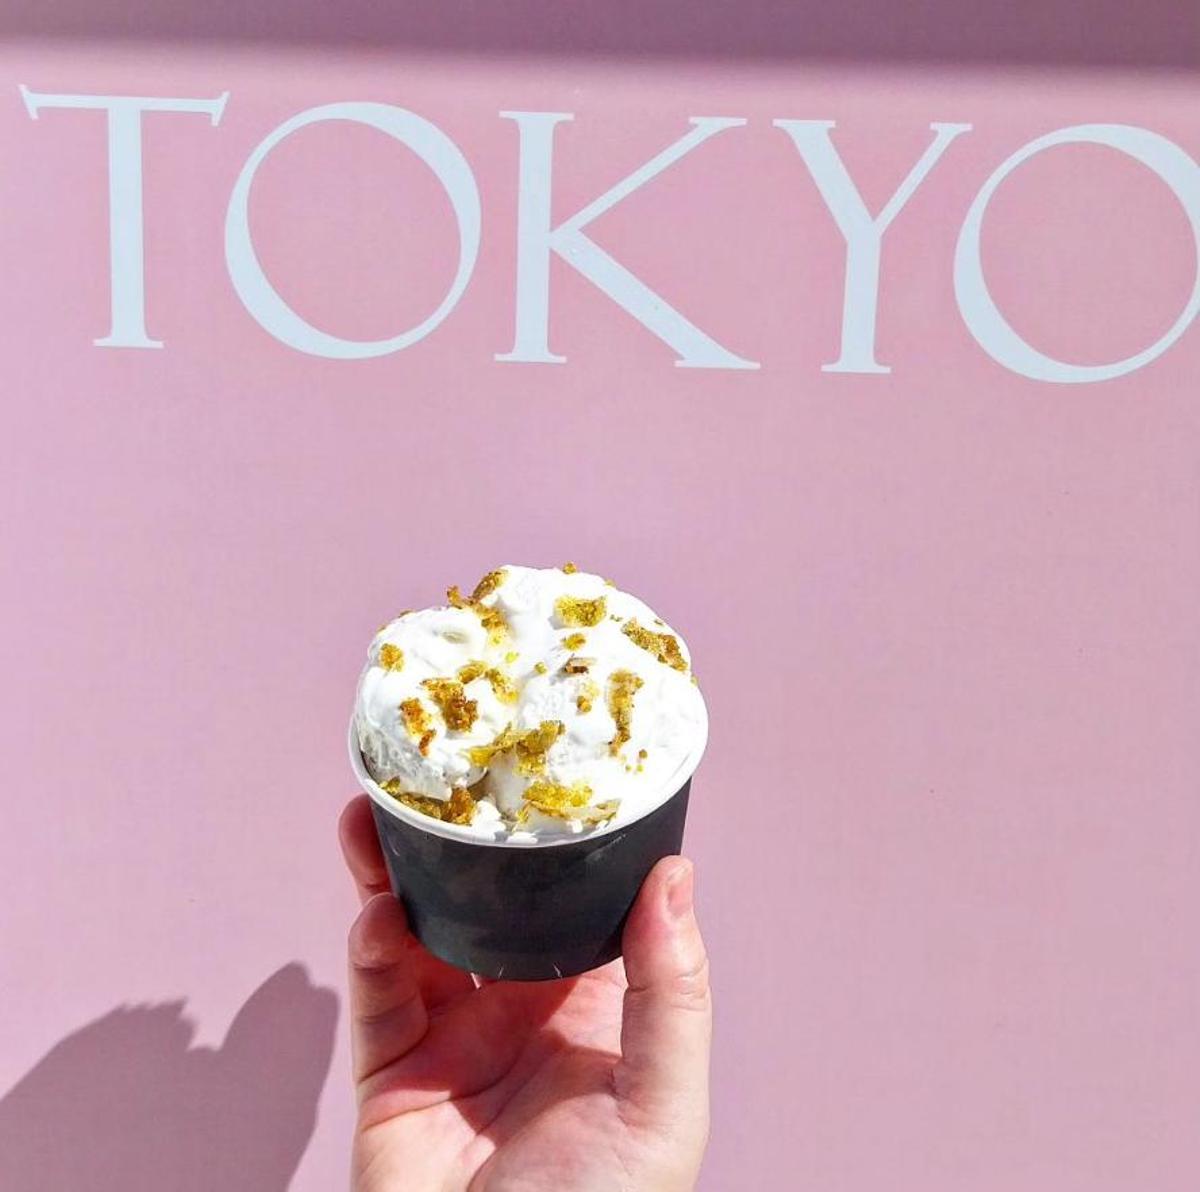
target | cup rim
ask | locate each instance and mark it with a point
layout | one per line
(462, 833)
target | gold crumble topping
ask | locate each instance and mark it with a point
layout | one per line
(531, 748)
(587, 696)
(511, 657)
(488, 584)
(575, 665)
(457, 711)
(574, 640)
(417, 722)
(664, 646)
(556, 799)
(471, 672)
(527, 746)
(566, 802)
(540, 667)
(569, 568)
(578, 613)
(504, 688)
(458, 809)
(622, 687)
(481, 755)
(492, 618)
(391, 657)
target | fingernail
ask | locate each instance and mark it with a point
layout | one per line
(680, 889)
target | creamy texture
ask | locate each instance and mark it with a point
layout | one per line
(529, 746)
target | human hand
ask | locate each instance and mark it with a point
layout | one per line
(596, 1082)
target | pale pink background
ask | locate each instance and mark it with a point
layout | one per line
(945, 619)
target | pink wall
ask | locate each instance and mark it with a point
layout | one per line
(949, 612)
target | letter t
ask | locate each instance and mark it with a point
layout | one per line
(126, 244)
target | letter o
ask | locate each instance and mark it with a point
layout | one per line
(263, 301)
(975, 303)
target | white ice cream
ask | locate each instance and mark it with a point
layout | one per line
(530, 725)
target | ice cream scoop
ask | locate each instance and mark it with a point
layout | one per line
(548, 703)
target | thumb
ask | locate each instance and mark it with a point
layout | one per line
(667, 1025)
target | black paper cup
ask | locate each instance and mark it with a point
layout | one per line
(526, 911)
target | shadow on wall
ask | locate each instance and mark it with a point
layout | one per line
(1164, 33)
(127, 1103)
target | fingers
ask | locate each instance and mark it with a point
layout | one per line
(439, 982)
(388, 1017)
(667, 1026)
(360, 847)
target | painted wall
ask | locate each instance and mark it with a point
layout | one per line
(944, 614)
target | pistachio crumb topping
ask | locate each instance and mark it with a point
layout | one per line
(540, 667)
(417, 722)
(578, 613)
(391, 657)
(622, 687)
(574, 640)
(511, 657)
(664, 646)
(457, 711)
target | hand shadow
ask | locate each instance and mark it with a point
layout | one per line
(127, 1104)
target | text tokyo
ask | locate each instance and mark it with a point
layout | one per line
(539, 240)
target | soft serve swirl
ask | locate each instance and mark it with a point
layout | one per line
(547, 702)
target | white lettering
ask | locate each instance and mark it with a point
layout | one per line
(263, 301)
(863, 235)
(983, 317)
(126, 242)
(537, 239)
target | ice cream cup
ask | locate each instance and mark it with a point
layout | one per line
(528, 911)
